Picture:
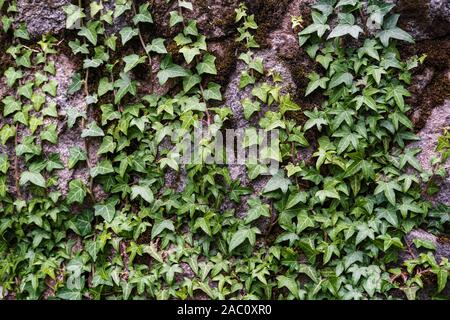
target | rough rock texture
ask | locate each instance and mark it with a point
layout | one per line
(439, 119)
(442, 245)
(425, 19)
(42, 17)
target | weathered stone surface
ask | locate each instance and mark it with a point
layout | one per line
(438, 120)
(42, 17)
(425, 19)
(442, 245)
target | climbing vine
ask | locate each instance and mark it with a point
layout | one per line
(336, 226)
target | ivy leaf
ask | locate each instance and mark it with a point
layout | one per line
(69, 294)
(250, 107)
(160, 226)
(76, 154)
(388, 188)
(108, 145)
(278, 181)
(104, 167)
(12, 75)
(289, 283)
(124, 85)
(442, 276)
(189, 53)
(344, 29)
(257, 209)
(76, 84)
(74, 14)
(340, 78)
(304, 221)
(128, 33)
(153, 252)
(143, 191)
(286, 104)
(171, 71)
(77, 192)
(104, 86)
(240, 236)
(132, 61)
(157, 46)
(175, 18)
(315, 82)
(34, 177)
(77, 47)
(11, 105)
(4, 164)
(212, 92)
(107, 211)
(22, 32)
(207, 65)
(190, 81)
(185, 4)
(90, 32)
(143, 15)
(394, 33)
(92, 130)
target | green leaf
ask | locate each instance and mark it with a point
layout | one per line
(76, 154)
(11, 105)
(153, 252)
(185, 4)
(107, 211)
(340, 78)
(442, 277)
(74, 14)
(76, 84)
(143, 16)
(190, 81)
(104, 167)
(240, 236)
(143, 191)
(160, 226)
(157, 46)
(257, 209)
(394, 33)
(277, 182)
(250, 107)
(189, 53)
(127, 34)
(77, 192)
(207, 65)
(175, 18)
(12, 75)
(125, 85)
(212, 92)
(34, 177)
(316, 82)
(4, 164)
(92, 130)
(344, 29)
(132, 61)
(427, 244)
(171, 71)
(289, 283)
(90, 32)
(108, 145)
(304, 221)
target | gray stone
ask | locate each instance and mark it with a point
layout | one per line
(438, 120)
(442, 245)
(42, 17)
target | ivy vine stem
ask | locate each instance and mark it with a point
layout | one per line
(141, 39)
